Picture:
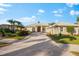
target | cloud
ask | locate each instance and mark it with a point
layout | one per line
(1, 13)
(73, 12)
(57, 15)
(3, 8)
(57, 12)
(33, 17)
(27, 19)
(71, 4)
(41, 11)
(4, 21)
(5, 5)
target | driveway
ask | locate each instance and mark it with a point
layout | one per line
(37, 45)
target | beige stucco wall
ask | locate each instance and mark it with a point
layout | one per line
(34, 28)
(76, 30)
(54, 29)
(29, 28)
(57, 30)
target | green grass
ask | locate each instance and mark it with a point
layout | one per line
(17, 37)
(68, 41)
(2, 44)
(65, 39)
(75, 53)
(77, 37)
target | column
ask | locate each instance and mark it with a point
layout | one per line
(41, 28)
(35, 29)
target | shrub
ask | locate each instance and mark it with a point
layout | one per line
(22, 33)
(60, 38)
(10, 35)
(70, 29)
(63, 41)
(2, 32)
(7, 32)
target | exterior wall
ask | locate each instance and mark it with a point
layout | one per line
(49, 31)
(54, 29)
(63, 30)
(10, 27)
(29, 28)
(35, 28)
(76, 31)
(43, 28)
(46, 29)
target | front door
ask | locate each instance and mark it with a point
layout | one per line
(39, 29)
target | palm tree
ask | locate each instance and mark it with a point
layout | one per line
(19, 24)
(12, 22)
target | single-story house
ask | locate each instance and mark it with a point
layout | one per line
(11, 27)
(37, 27)
(62, 28)
(53, 29)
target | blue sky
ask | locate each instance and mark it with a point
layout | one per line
(29, 13)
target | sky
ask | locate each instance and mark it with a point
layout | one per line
(29, 13)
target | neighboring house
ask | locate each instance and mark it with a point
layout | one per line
(11, 27)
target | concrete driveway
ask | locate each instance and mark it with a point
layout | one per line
(37, 45)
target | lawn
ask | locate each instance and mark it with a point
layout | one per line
(68, 41)
(77, 37)
(65, 39)
(16, 37)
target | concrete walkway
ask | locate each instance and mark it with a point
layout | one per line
(37, 45)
